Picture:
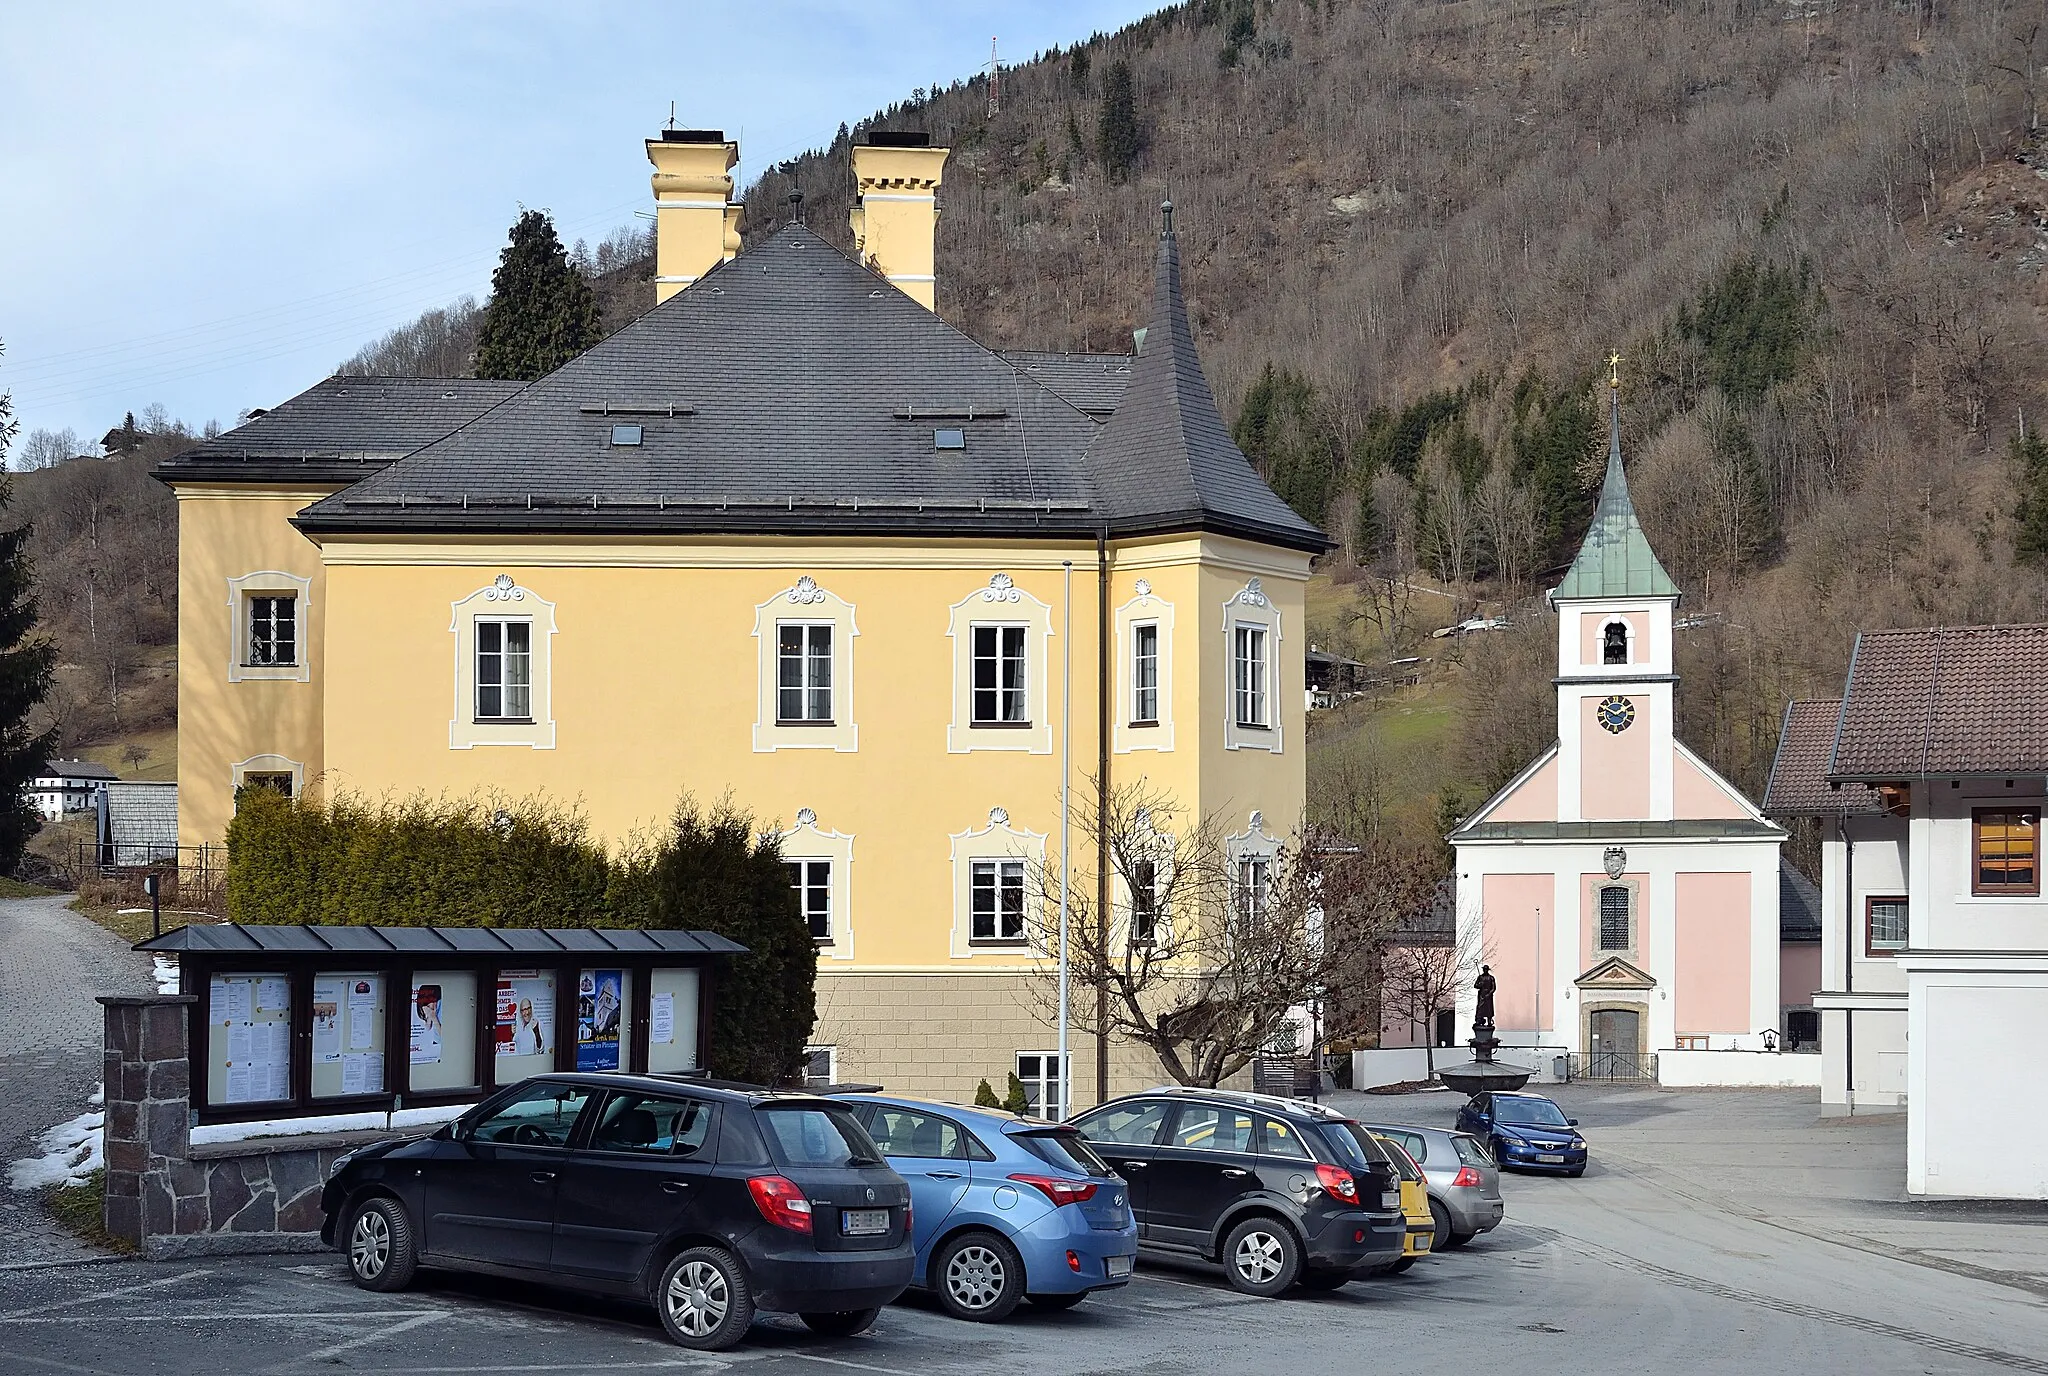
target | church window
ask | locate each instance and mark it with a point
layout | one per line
(1614, 918)
(1614, 643)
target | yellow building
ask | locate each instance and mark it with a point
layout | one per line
(788, 535)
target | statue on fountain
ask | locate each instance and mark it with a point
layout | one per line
(1482, 1072)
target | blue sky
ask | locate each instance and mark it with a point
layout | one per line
(211, 206)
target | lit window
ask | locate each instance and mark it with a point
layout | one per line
(812, 882)
(273, 631)
(1888, 927)
(2005, 845)
(1614, 918)
(999, 676)
(803, 673)
(1145, 674)
(1250, 676)
(997, 901)
(504, 670)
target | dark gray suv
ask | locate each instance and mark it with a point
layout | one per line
(1277, 1191)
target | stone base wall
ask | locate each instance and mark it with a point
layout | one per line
(941, 1034)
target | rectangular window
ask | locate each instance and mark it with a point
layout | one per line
(2007, 864)
(1614, 918)
(997, 901)
(1144, 902)
(273, 630)
(999, 676)
(1254, 874)
(812, 882)
(820, 1066)
(1887, 928)
(1145, 674)
(504, 670)
(1040, 1072)
(803, 686)
(276, 782)
(1249, 681)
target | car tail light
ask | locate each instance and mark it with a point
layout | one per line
(781, 1202)
(1059, 1191)
(1466, 1179)
(1074, 1262)
(1338, 1182)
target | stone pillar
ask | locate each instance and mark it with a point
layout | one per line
(147, 1079)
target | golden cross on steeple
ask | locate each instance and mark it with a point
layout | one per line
(1614, 369)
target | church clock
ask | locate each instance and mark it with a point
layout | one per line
(1615, 714)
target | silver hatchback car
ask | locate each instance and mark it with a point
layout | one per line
(1463, 1181)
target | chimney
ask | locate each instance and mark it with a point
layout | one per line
(696, 226)
(897, 178)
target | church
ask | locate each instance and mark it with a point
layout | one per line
(1626, 896)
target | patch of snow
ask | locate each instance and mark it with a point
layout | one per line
(71, 1151)
(165, 968)
(330, 1122)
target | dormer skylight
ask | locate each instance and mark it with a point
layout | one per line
(626, 435)
(949, 439)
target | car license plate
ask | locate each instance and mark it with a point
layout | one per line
(864, 1222)
(1119, 1266)
(1549, 1159)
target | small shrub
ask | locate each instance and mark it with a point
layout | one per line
(985, 1096)
(1017, 1101)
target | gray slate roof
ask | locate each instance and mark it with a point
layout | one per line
(1616, 559)
(1164, 461)
(237, 938)
(791, 390)
(1798, 905)
(1093, 383)
(76, 769)
(339, 430)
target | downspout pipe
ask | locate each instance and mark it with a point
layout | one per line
(1849, 937)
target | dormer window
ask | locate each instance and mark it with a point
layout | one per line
(1614, 643)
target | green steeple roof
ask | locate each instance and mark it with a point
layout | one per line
(1616, 559)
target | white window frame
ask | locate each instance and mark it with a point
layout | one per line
(242, 592)
(808, 886)
(1250, 678)
(1252, 846)
(482, 629)
(807, 663)
(1127, 731)
(1009, 648)
(808, 841)
(1144, 673)
(1043, 1086)
(1251, 608)
(254, 602)
(831, 1055)
(998, 841)
(1001, 603)
(503, 599)
(999, 872)
(239, 772)
(804, 603)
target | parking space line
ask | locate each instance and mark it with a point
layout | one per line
(841, 1361)
(315, 1316)
(55, 1365)
(694, 1363)
(107, 1294)
(329, 1353)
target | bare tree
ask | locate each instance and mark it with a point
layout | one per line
(1420, 976)
(48, 448)
(1203, 962)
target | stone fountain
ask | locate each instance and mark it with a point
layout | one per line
(1483, 1073)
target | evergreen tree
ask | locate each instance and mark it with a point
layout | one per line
(1290, 436)
(1077, 68)
(1752, 323)
(1116, 138)
(716, 873)
(26, 662)
(985, 1096)
(2030, 456)
(542, 311)
(1018, 1100)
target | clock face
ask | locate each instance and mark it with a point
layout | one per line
(1614, 714)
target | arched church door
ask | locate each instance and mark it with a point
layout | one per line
(1612, 1052)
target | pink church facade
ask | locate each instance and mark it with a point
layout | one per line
(1624, 894)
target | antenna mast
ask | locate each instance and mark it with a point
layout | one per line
(995, 81)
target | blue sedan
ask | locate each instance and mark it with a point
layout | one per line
(1003, 1208)
(1526, 1132)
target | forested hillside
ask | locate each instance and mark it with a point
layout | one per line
(1413, 231)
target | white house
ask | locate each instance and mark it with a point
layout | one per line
(1929, 777)
(1625, 894)
(68, 787)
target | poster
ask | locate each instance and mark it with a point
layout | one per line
(526, 1013)
(662, 1019)
(362, 1073)
(273, 995)
(598, 1005)
(327, 1019)
(362, 1014)
(426, 1024)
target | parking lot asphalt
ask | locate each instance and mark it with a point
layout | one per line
(1670, 1254)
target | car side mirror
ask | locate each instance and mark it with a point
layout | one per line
(1571, 1122)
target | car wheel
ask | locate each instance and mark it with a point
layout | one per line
(841, 1323)
(1441, 1217)
(1261, 1256)
(978, 1276)
(1453, 1241)
(703, 1299)
(1325, 1280)
(381, 1251)
(1057, 1302)
(1402, 1265)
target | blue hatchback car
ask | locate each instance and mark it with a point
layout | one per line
(1525, 1132)
(1003, 1208)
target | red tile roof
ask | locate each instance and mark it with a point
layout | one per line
(1945, 700)
(1799, 773)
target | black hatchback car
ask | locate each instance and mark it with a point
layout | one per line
(1276, 1191)
(709, 1200)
